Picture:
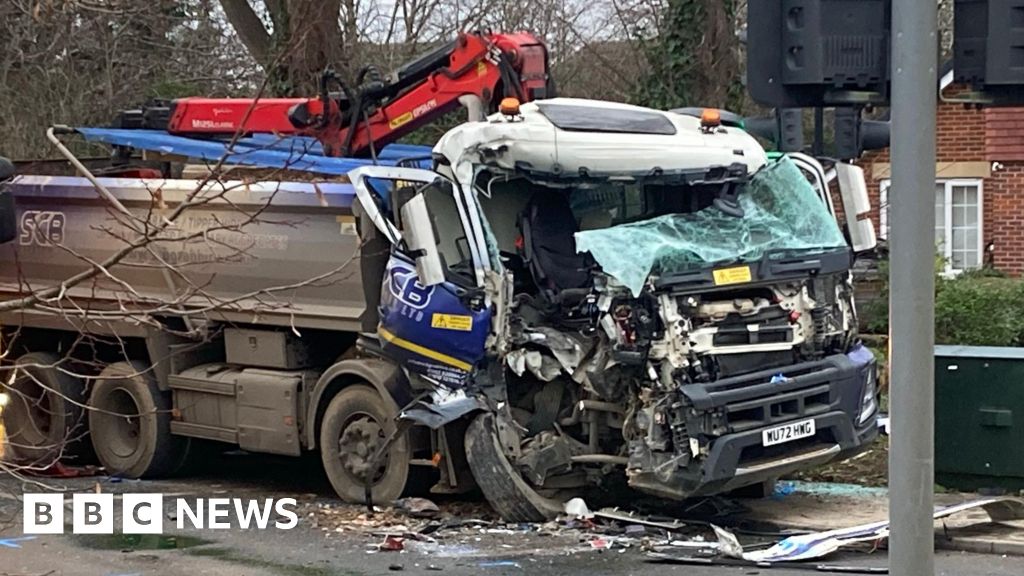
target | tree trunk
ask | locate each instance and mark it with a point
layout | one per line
(314, 42)
(250, 29)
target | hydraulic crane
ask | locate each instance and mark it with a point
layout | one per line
(476, 70)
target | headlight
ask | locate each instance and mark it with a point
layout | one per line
(4, 399)
(869, 402)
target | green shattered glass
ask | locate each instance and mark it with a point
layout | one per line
(781, 209)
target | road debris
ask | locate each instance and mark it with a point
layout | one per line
(633, 518)
(728, 544)
(577, 508)
(716, 532)
(392, 544)
(418, 507)
(655, 558)
(820, 544)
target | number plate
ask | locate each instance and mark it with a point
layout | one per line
(787, 433)
(735, 275)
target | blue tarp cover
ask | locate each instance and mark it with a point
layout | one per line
(262, 150)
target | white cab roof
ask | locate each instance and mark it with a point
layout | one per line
(568, 136)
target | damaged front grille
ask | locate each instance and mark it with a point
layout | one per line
(761, 412)
(749, 335)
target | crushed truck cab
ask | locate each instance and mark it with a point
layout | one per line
(623, 288)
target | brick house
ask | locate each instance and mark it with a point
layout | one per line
(979, 189)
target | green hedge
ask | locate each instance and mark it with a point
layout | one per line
(980, 311)
(980, 308)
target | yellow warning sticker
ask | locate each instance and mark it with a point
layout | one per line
(481, 68)
(400, 120)
(736, 275)
(451, 322)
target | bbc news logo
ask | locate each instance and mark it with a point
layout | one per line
(144, 513)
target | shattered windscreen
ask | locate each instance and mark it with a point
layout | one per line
(780, 211)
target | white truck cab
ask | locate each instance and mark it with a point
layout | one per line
(621, 287)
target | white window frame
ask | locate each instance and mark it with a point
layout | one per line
(948, 185)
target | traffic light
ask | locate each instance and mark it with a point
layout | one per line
(785, 129)
(988, 49)
(854, 135)
(814, 53)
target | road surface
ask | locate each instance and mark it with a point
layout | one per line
(333, 539)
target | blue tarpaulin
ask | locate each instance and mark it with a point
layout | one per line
(262, 150)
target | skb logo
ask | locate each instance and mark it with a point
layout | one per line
(42, 228)
(405, 286)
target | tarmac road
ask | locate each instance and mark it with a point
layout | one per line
(319, 550)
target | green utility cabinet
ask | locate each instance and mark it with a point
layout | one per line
(979, 417)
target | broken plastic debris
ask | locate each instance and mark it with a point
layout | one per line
(418, 507)
(883, 423)
(636, 530)
(783, 489)
(779, 378)
(577, 508)
(695, 543)
(391, 544)
(818, 544)
(860, 355)
(728, 544)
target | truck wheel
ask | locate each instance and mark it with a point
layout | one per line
(130, 423)
(357, 421)
(510, 496)
(44, 418)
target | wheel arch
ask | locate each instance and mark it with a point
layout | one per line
(385, 377)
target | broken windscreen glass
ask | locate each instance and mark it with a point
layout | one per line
(781, 211)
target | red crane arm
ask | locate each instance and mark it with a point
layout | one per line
(378, 113)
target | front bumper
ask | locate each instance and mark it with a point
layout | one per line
(737, 410)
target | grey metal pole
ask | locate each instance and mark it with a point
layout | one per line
(912, 288)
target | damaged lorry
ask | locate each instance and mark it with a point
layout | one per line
(577, 294)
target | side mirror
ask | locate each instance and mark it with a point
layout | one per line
(854, 191)
(418, 233)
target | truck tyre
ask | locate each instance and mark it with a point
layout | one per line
(357, 421)
(130, 423)
(44, 419)
(510, 496)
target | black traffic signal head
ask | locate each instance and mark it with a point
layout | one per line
(814, 53)
(785, 129)
(854, 135)
(988, 48)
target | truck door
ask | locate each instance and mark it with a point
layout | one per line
(436, 326)
(860, 231)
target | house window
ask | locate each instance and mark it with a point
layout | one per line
(957, 222)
